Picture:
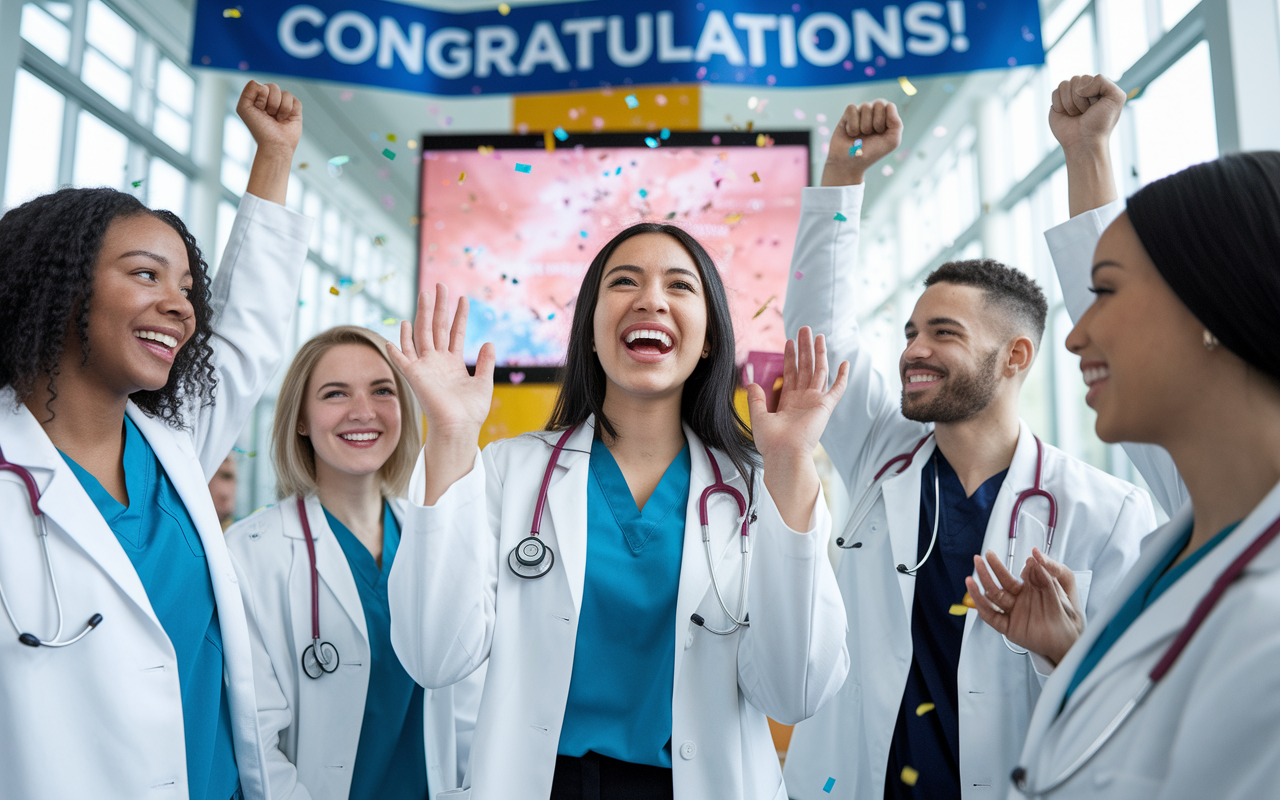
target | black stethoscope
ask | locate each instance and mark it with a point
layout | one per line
(532, 558)
(30, 639)
(1162, 666)
(320, 658)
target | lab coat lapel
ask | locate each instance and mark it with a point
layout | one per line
(65, 502)
(331, 563)
(902, 507)
(567, 506)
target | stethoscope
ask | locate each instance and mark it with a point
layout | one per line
(1162, 666)
(1037, 490)
(532, 558)
(319, 658)
(30, 639)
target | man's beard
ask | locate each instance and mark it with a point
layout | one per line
(964, 395)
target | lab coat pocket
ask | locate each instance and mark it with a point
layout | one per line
(1084, 578)
(454, 794)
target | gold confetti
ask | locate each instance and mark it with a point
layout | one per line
(910, 776)
(386, 277)
(732, 218)
(906, 86)
(924, 708)
(968, 601)
(231, 13)
(755, 177)
(333, 290)
(485, 149)
(390, 321)
(462, 176)
(958, 609)
(1134, 92)
(303, 165)
(763, 307)
(549, 141)
(504, 9)
(391, 137)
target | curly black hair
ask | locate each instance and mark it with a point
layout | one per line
(49, 250)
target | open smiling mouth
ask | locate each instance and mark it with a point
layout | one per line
(650, 342)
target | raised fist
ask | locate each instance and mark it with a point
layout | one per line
(879, 128)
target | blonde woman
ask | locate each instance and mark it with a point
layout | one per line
(339, 715)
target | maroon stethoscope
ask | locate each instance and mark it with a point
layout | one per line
(532, 558)
(320, 658)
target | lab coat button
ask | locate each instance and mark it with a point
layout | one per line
(688, 750)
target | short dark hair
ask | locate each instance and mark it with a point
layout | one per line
(49, 250)
(1008, 289)
(707, 401)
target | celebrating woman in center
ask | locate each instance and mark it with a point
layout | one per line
(646, 581)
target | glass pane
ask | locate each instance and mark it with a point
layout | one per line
(46, 33)
(226, 216)
(1054, 24)
(34, 145)
(173, 129)
(108, 32)
(166, 187)
(1124, 33)
(1023, 114)
(1172, 11)
(105, 78)
(1073, 55)
(1180, 100)
(102, 154)
(60, 10)
(175, 88)
(237, 142)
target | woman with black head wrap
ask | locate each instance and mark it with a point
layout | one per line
(1174, 690)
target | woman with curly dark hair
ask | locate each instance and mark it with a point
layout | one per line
(125, 375)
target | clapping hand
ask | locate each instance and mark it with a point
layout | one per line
(1040, 613)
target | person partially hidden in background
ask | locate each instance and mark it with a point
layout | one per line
(222, 488)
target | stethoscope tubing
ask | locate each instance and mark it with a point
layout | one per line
(323, 654)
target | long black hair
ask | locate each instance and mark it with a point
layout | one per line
(706, 404)
(49, 250)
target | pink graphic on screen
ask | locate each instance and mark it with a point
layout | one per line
(518, 243)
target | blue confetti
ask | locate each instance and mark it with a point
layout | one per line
(632, 102)
(561, 134)
(583, 234)
(652, 142)
(830, 782)
(524, 168)
(666, 133)
(644, 192)
(551, 316)
(618, 171)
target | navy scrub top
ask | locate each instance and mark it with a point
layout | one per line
(624, 661)
(929, 743)
(160, 539)
(391, 759)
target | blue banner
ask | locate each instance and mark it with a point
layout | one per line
(588, 44)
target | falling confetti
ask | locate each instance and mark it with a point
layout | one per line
(755, 177)
(583, 234)
(632, 102)
(763, 140)
(379, 241)
(485, 149)
(504, 9)
(561, 133)
(1134, 92)
(549, 141)
(907, 88)
(799, 274)
(765, 306)
(338, 161)
(390, 321)
(391, 137)
(516, 377)
(831, 782)
(644, 192)
(524, 168)
(303, 165)
(386, 277)
(250, 453)
(924, 708)
(665, 133)
(909, 776)
(333, 290)
(347, 95)
(231, 13)
(389, 153)
(886, 170)
(136, 184)
(968, 601)
(840, 217)
(958, 609)
(732, 218)
(462, 176)
(652, 142)
(856, 148)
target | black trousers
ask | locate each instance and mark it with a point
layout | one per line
(597, 777)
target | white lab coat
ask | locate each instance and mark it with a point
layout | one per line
(102, 718)
(1210, 727)
(311, 727)
(1100, 522)
(456, 603)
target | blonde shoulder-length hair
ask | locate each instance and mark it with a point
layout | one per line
(294, 456)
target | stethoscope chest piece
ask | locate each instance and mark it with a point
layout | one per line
(325, 664)
(531, 558)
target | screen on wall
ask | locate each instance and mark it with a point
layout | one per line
(514, 226)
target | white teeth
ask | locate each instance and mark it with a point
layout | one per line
(162, 338)
(1094, 374)
(359, 437)
(922, 378)
(648, 334)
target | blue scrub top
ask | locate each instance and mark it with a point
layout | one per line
(391, 760)
(1155, 584)
(624, 661)
(160, 539)
(929, 743)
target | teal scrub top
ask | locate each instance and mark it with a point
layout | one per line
(1147, 592)
(160, 539)
(391, 759)
(624, 661)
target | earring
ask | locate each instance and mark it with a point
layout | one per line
(302, 431)
(706, 351)
(1210, 341)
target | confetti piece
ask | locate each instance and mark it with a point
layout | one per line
(840, 217)
(303, 165)
(644, 192)
(765, 306)
(670, 215)
(909, 776)
(549, 141)
(504, 9)
(389, 153)
(524, 168)
(762, 140)
(338, 161)
(632, 102)
(732, 218)
(391, 137)
(386, 277)
(755, 177)
(333, 290)
(390, 321)
(652, 142)
(924, 708)
(347, 95)
(856, 149)
(799, 274)
(136, 184)
(583, 234)
(968, 601)
(485, 150)
(958, 609)
(462, 176)
(379, 241)
(829, 784)
(666, 133)
(1134, 92)
(551, 316)
(561, 134)
(516, 377)
(618, 171)
(231, 13)
(907, 88)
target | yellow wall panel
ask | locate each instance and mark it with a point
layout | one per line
(676, 106)
(518, 409)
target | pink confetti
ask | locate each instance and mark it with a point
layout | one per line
(799, 274)
(597, 123)
(701, 73)
(516, 377)
(660, 99)
(347, 95)
(771, 80)
(388, 202)
(715, 139)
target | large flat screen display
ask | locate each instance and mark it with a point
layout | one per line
(514, 226)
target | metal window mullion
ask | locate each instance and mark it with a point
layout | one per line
(78, 26)
(70, 128)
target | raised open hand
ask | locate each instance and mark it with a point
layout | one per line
(1085, 110)
(805, 403)
(879, 128)
(1040, 613)
(272, 115)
